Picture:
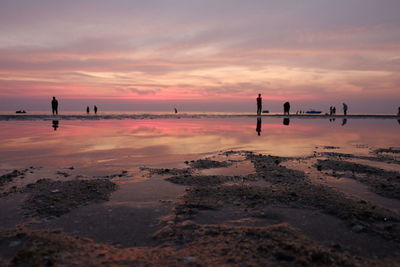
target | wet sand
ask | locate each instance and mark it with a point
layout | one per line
(232, 208)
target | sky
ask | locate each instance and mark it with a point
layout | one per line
(200, 55)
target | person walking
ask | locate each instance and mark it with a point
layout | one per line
(95, 110)
(345, 107)
(259, 104)
(54, 106)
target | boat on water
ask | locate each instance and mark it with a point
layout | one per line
(313, 111)
(20, 111)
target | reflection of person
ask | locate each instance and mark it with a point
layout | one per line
(345, 107)
(286, 108)
(258, 127)
(259, 104)
(286, 121)
(344, 121)
(54, 105)
(55, 125)
(95, 109)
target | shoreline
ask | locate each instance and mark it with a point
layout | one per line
(25, 117)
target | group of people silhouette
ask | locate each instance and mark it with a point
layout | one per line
(286, 108)
(94, 109)
(54, 107)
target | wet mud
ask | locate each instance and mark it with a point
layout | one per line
(272, 216)
(54, 198)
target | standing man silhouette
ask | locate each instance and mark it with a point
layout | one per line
(95, 110)
(87, 110)
(345, 109)
(259, 104)
(286, 108)
(54, 106)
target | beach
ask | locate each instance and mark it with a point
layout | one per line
(199, 190)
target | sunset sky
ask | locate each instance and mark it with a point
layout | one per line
(200, 55)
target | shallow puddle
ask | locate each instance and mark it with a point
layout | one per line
(241, 168)
(346, 185)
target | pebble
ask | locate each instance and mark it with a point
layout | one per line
(357, 228)
(14, 243)
(188, 260)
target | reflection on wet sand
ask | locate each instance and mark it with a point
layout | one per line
(166, 140)
(286, 121)
(258, 127)
(55, 124)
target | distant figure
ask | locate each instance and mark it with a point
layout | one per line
(87, 110)
(398, 113)
(259, 104)
(345, 109)
(286, 121)
(176, 111)
(95, 110)
(54, 105)
(258, 127)
(331, 110)
(334, 111)
(55, 125)
(286, 108)
(344, 121)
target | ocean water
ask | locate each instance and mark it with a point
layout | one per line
(166, 140)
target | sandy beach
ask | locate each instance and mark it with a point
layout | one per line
(184, 198)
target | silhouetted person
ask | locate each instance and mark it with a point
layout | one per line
(259, 104)
(286, 108)
(398, 113)
(95, 109)
(345, 107)
(331, 110)
(176, 111)
(87, 110)
(258, 127)
(55, 125)
(344, 121)
(334, 110)
(286, 121)
(54, 106)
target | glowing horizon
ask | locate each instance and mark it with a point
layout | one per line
(316, 53)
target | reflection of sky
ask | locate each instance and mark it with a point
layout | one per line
(146, 142)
